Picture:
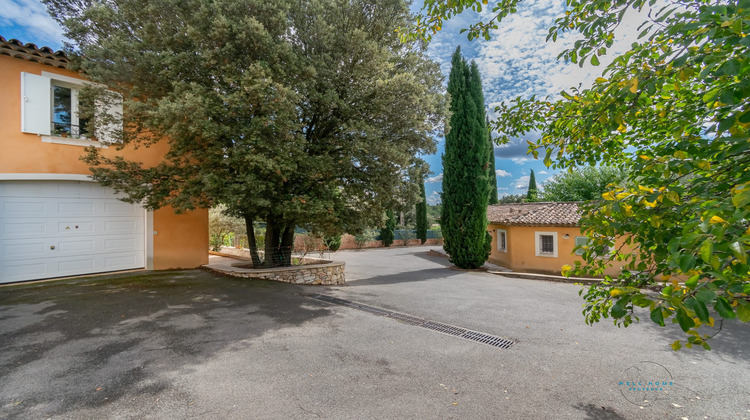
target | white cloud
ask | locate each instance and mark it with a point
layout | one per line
(522, 183)
(501, 188)
(434, 198)
(32, 16)
(435, 179)
(518, 61)
(543, 173)
(501, 173)
(521, 160)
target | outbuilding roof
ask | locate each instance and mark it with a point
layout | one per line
(30, 52)
(535, 214)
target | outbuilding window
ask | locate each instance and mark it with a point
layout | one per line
(546, 244)
(502, 240)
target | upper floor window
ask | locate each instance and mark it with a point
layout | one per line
(50, 107)
(65, 114)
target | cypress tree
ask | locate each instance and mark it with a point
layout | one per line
(465, 175)
(422, 217)
(532, 193)
(388, 233)
(492, 174)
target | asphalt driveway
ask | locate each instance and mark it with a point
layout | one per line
(190, 344)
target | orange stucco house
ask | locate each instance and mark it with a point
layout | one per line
(536, 237)
(54, 220)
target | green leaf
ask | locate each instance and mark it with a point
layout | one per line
(657, 316)
(692, 282)
(738, 251)
(701, 311)
(707, 249)
(743, 311)
(742, 198)
(687, 262)
(676, 345)
(724, 308)
(618, 310)
(705, 296)
(594, 60)
(685, 321)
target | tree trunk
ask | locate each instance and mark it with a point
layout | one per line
(273, 237)
(251, 241)
(287, 244)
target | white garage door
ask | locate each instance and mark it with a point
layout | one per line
(65, 228)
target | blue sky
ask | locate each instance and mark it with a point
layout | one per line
(515, 62)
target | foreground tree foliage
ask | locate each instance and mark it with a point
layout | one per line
(466, 185)
(674, 112)
(295, 114)
(583, 184)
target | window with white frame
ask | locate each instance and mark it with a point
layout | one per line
(502, 240)
(50, 108)
(546, 244)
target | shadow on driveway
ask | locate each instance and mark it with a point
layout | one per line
(85, 343)
(407, 277)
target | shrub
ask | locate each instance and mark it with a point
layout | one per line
(333, 243)
(361, 239)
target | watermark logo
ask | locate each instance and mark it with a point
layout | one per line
(645, 383)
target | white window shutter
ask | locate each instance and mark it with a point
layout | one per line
(110, 129)
(36, 104)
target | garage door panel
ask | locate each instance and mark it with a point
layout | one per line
(24, 208)
(14, 251)
(79, 189)
(26, 189)
(66, 247)
(76, 227)
(123, 261)
(73, 266)
(120, 226)
(19, 271)
(123, 244)
(61, 228)
(24, 228)
(120, 208)
(75, 208)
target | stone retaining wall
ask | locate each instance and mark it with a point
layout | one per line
(326, 273)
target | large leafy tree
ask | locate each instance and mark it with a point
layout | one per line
(583, 184)
(465, 169)
(674, 112)
(293, 114)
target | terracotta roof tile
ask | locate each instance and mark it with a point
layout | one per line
(535, 214)
(43, 55)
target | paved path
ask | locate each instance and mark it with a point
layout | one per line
(189, 344)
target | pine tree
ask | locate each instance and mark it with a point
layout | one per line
(421, 211)
(387, 234)
(531, 194)
(492, 174)
(465, 163)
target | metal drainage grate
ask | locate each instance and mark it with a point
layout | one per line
(459, 332)
(372, 310)
(490, 340)
(407, 319)
(444, 328)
